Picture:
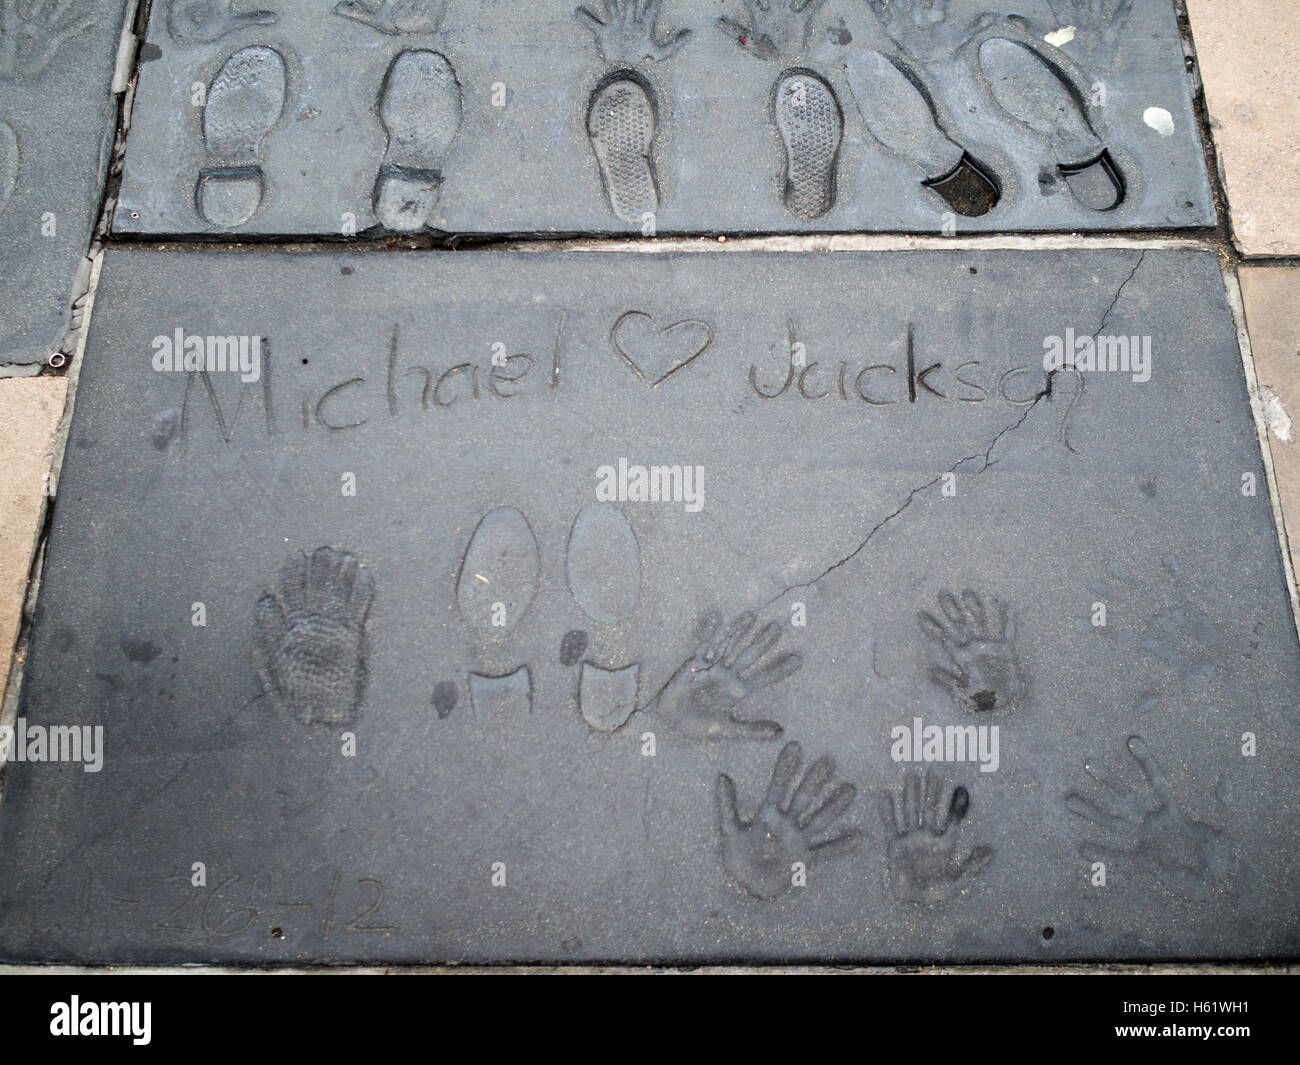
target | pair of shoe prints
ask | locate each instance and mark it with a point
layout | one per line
(410, 116)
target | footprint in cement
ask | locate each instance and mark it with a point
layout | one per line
(901, 114)
(498, 579)
(621, 124)
(204, 21)
(607, 697)
(1038, 94)
(421, 109)
(311, 629)
(501, 698)
(244, 102)
(603, 566)
(500, 572)
(811, 125)
(8, 164)
(603, 563)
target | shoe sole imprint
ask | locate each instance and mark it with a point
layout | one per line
(901, 114)
(607, 697)
(811, 124)
(499, 573)
(621, 124)
(603, 563)
(421, 108)
(1039, 95)
(244, 103)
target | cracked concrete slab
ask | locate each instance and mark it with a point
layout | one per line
(30, 410)
(370, 117)
(1248, 53)
(57, 110)
(1270, 296)
(477, 627)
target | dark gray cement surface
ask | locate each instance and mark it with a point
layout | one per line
(399, 546)
(56, 131)
(373, 116)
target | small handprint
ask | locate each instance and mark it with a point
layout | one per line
(925, 865)
(922, 29)
(1187, 856)
(772, 28)
(702, 698)
(396, 16)
(626, 34)
(795, 827)
(32, 31)
(310, 636)
(1098, 24)
(203, 21)
(974, 654)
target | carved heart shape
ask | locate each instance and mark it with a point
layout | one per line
(660, 353)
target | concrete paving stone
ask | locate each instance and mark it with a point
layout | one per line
(370, 117)
(1248, 54)
(30, 409)
(1271, 296)
(477, 626)
(56, 131)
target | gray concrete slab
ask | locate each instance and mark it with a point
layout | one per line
(380, 116)
(397, 658)
(56, 126)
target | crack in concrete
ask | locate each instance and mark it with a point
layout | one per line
(986, 455)
(1119, 292)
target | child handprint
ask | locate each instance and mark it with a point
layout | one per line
(794, 828)
(32, 31)
(925, 864)
(1188, 856)
(626, 34)
(772, 28)
(703, 697)
(396, 16)
(973, 654)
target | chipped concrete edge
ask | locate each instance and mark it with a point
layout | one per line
(1258, 405)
